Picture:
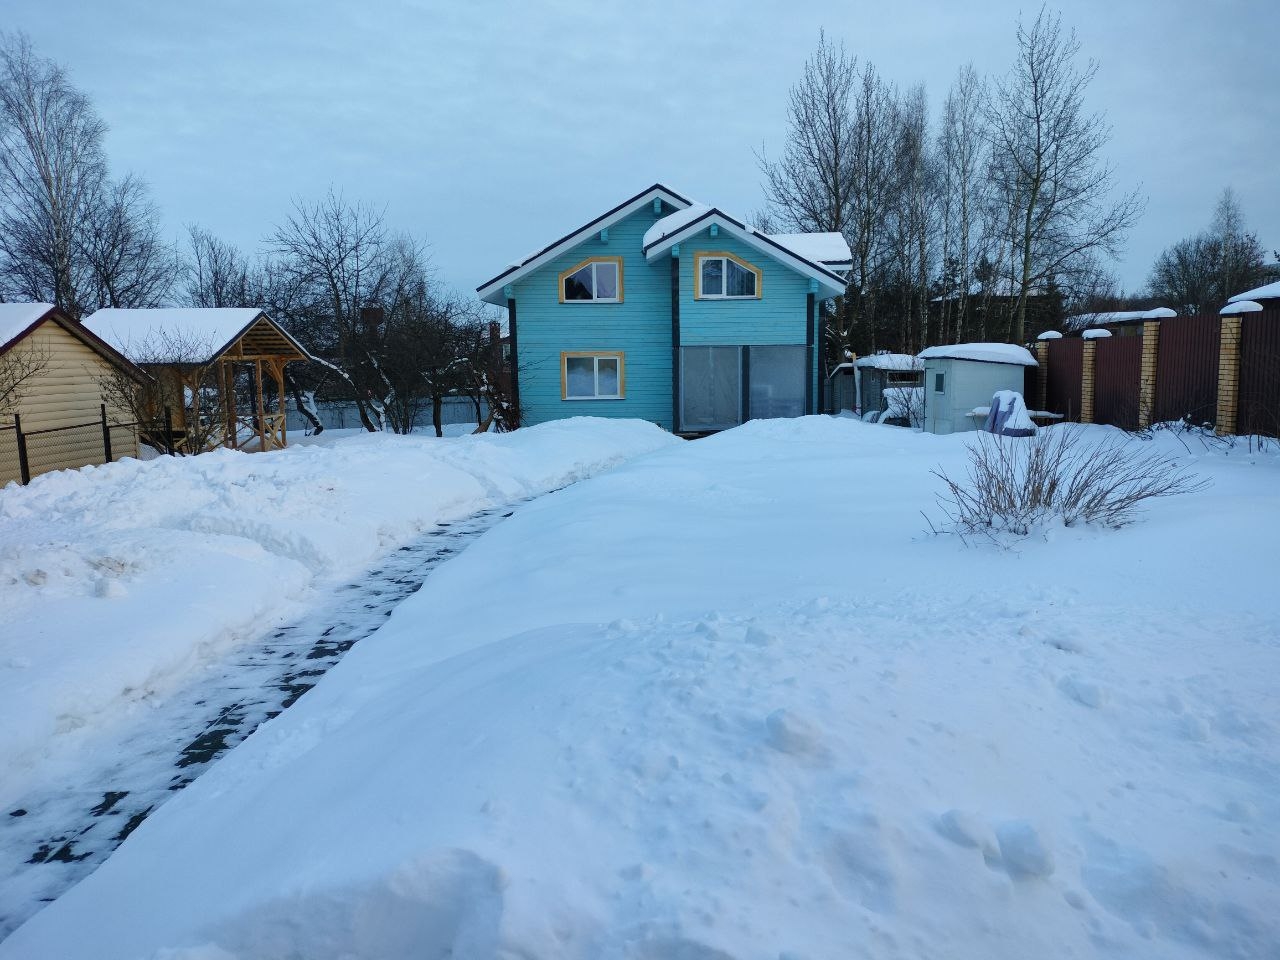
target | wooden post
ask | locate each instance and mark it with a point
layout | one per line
(106, 435)
(24, 465)
(1147, 378)
(1228, 377)
(262, 412)
(284, 412)
(1086, 381)
(227, 383)
(1041, 399)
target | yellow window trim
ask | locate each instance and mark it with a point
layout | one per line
(572, 270)
(715, 254)
(619, 355)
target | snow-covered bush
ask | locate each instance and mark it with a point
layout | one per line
(1015, 484)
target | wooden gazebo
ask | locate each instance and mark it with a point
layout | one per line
(202, 358)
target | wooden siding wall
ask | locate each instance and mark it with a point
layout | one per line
(67, 392)
(640, 327)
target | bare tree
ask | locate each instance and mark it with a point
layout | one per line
(1048, 172)
(217, 273)
(912, 218)
(20, 365)
(129, 263)
(963, 185)
(51, 170)
(1199, 274)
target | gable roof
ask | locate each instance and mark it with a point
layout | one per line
(214, 329)
(491, 290)
(669, 231)
(829, 249)
(20, 320)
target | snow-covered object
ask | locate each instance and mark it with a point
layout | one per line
(989, 352)
(209, 328)
(1268, 291)
(1095, 334)
(15, 318)
(654, 716)
(1241, 306)
(209, 549)
(890, 361)
(1007, 416)
(904, 403)
(1050, 335)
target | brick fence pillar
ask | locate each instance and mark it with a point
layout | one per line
(1086, 381)
(1041, 399)
(1147, 378)
(1228, 377)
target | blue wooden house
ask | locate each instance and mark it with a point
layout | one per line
(670, 311)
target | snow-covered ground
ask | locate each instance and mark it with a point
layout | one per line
(730, 701)
(116, 582)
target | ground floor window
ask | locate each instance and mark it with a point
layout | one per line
(592, 376)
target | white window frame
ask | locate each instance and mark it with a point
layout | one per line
(725, 258)
(593, 263)
(597, 356)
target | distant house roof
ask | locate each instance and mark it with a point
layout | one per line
(195, 334)
(19, 320)
(1269, 291)
(1083, 320)
(890, 361)
(670, 230)
(491, 290)
(986, 352)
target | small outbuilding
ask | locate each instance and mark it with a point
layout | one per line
(220, 371)
(57, 410)
(963, 377)
(889, 385)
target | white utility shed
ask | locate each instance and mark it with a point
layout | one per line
(963, 376)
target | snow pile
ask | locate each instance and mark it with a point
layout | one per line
(1240, 306)
(990, 352)
(673, 223)
(905, 403)
(1097, 334)
(680, 728)
(1268, 291)
(116, 581)
(1050, 335)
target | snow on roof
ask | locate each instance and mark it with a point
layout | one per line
(135, 332)
(840, 367)
(987, 352)
(673, 222)
(826, 248)
(1267, 292)
(1050, 335)
(1097, 333)
(1081, 320)
(16, 317)
(1240, 306)
(890, 361)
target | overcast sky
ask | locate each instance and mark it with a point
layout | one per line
(489, 129)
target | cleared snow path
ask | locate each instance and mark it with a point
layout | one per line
(61, 832)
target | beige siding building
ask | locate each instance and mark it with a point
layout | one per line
(52, 373)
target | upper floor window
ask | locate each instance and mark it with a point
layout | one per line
(598, 280)
(722, 276)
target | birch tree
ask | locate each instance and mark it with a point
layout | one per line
(1048, 171)
(963, 185)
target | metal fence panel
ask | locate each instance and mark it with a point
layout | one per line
(1117, 376)
(1065, 377)
(1187, 370)
(1259, 402)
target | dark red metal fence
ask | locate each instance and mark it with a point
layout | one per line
(1065, 373)
(1259, 406)
(1117, 375)
(1187, 370)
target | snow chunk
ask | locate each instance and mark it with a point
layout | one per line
(673, 223)
(1240, 306)
(788, 733)
(967, 830)
(1082, 691)
(1050, 335)
(1098, 334)
(989, 352)
(1022, 850)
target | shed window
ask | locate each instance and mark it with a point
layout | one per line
(592, 376)
(598, 280)
(722, 276)
(939, 382)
